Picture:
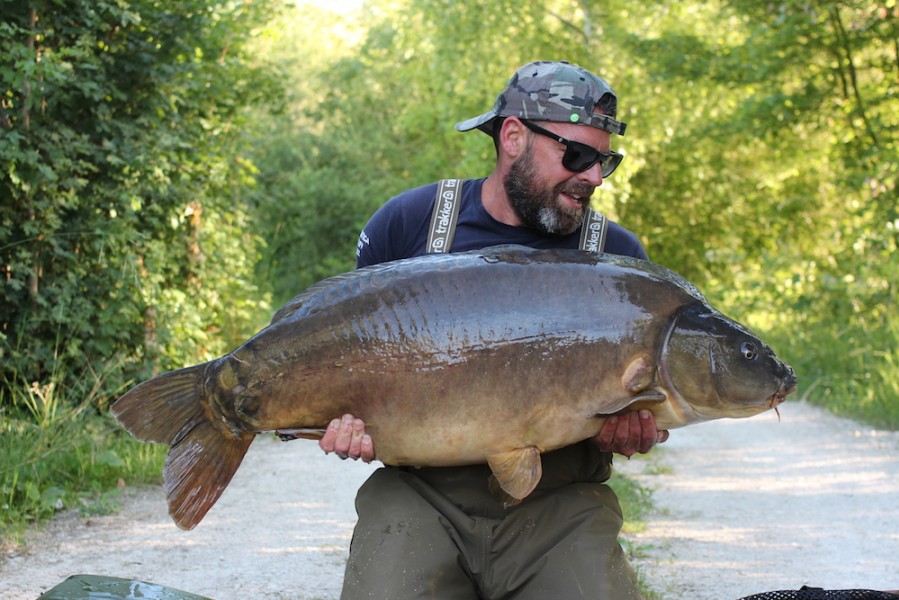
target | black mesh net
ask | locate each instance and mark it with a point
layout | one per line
(810, 593)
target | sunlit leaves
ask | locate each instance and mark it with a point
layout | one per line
(116, 119)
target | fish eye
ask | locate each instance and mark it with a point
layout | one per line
(748, 350)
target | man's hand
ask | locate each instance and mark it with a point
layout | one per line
(629, 433)
(346, 438)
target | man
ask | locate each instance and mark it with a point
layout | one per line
(439, 532)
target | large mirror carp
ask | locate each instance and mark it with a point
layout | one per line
(433, 352)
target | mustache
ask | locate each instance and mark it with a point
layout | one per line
(576, 189)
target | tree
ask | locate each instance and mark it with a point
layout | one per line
(120, 125)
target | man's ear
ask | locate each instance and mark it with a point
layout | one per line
(513, 137)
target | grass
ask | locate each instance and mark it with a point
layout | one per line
(852, 371)
(636, 505)
(55, 455)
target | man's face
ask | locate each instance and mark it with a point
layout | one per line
(545, 195)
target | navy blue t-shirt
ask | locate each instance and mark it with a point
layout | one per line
(399, 229)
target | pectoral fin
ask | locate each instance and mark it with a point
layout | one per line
(638, 375)
(637, 380)
(517, 472)
(647, 399)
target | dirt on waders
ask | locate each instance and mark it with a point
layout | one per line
(742, 506)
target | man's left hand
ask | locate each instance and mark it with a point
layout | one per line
(629, 433)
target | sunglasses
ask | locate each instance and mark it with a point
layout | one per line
(579, 157)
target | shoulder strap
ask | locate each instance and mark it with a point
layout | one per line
(593, 231)
(445, 215)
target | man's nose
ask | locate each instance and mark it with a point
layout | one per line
(593, 175)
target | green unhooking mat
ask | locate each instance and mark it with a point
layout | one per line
(99, 587)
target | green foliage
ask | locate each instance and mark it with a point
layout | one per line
(636, 500)
(124, 242)
(120, 128)
(57, 453)
(835, 322)
(307, 203)
(782, 177)
(755, 146)
(636, 504)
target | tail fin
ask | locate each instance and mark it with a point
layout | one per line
(197, 471)
(202, 459)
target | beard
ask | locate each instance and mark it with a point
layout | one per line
(539, 207)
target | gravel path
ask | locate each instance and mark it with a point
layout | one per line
(280, 530)
(743, 507)
(753, 505)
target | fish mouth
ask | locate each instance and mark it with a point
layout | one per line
(788, 385)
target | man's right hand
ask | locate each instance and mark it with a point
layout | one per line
(346, 438)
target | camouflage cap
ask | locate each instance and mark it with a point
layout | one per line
(550, 91)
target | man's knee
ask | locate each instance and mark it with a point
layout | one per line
(402, 546)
